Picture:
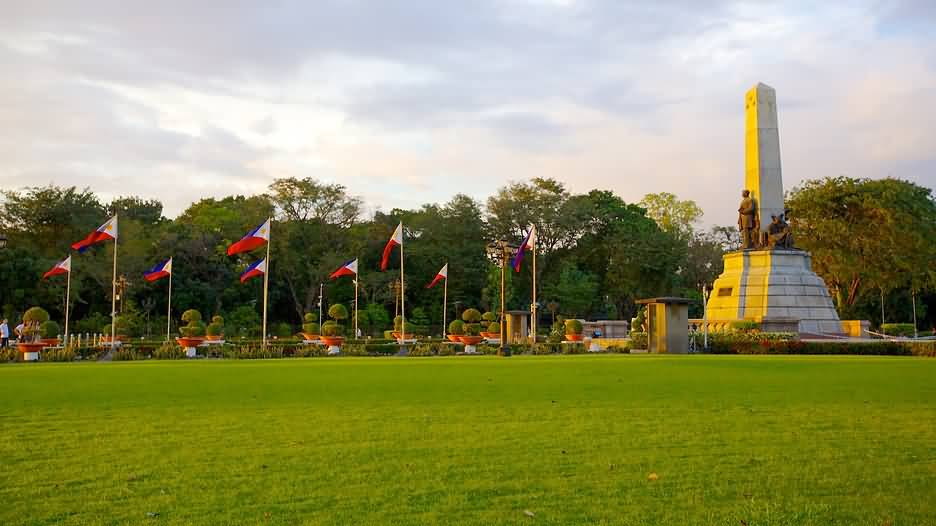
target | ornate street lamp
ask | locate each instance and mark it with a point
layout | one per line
(500, 252)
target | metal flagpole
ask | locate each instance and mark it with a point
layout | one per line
(355, 305)
(321, 290)
(533, 306)
(912, 299)
(169, 308)
(445, 301)
(114, 297)
(402, 288)
(67, 300)
(266, 282)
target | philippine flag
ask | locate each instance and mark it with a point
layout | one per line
(442, 274)
(255, 238)
(62, 267)
(256, 269)
(348, 269)
(395, 239)
(159, 271)
(528, 243)
(104, 232)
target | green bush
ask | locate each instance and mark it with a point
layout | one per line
(457, 327)
(191, 315)
(310, 323)
(556, 336)
(57, 355)
(49, 329)
(573, 348)
(282, 330)
(169, 351)
(214, 329)
(898, 329)
(488, 317)
(332, 329)
(573, 327)
(639, 340)
(194, 327)
(472, 329)
(471, 316)
(494, 327)
(338, 312)
(745, 325)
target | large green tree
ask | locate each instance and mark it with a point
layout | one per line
(866, 236)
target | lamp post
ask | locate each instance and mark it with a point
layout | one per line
(706, 293)
(500, 252)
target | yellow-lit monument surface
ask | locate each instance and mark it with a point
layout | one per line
(768, 280)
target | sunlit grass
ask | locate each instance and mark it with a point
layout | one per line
(480, 440)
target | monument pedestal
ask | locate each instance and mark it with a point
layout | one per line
(773, 287)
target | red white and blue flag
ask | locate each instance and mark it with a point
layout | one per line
(348, 269)
(159, 271)
(442, 274)
(258, 268)
(62, 267)
(395, 240)
(254, 239)
(529, 242)
(104, 232)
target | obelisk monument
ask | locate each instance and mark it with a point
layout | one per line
(762, 174)
(770, 281)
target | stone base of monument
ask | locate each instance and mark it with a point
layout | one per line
(334, 350)
(471, 349)
(190, 352)
(776, 288)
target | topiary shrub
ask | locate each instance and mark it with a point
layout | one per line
(332, 329)
(457, 327)
(639, 340)
(310, 325)
(338, 312)
(472, 329)
(49, 329)
(32, 319)
(494, 327)
(489, 316)
(573, 327)
(216, 327)
(471, 315)
(194, 327)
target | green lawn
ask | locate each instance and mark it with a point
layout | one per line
(479, 440)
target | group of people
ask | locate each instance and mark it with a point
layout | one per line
(5, 333)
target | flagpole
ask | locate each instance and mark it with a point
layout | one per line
(402, 289)
(114, 297)
(356, 277)
(321, 290)
(67, 301)
(533, 306)
(169, 308)
(445, 302)
(266, 283)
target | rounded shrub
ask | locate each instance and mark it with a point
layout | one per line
(471, 315)
(338, 312)
(457, 327)
(573, 327)
(194, 327)
(472, 329)
(49, 329)
(494, 327)
(310, 325)
(489, 316)
(331, 328)
(36, 315)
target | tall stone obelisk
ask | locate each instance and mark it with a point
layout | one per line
(776, 286)
(762, 174)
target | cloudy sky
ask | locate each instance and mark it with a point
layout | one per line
(407, 102)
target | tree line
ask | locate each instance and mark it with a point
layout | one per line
(596, 253)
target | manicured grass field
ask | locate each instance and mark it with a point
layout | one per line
(569, 439)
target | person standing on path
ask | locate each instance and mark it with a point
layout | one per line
(4, 334)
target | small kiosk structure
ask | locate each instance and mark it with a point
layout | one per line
(667, 324)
